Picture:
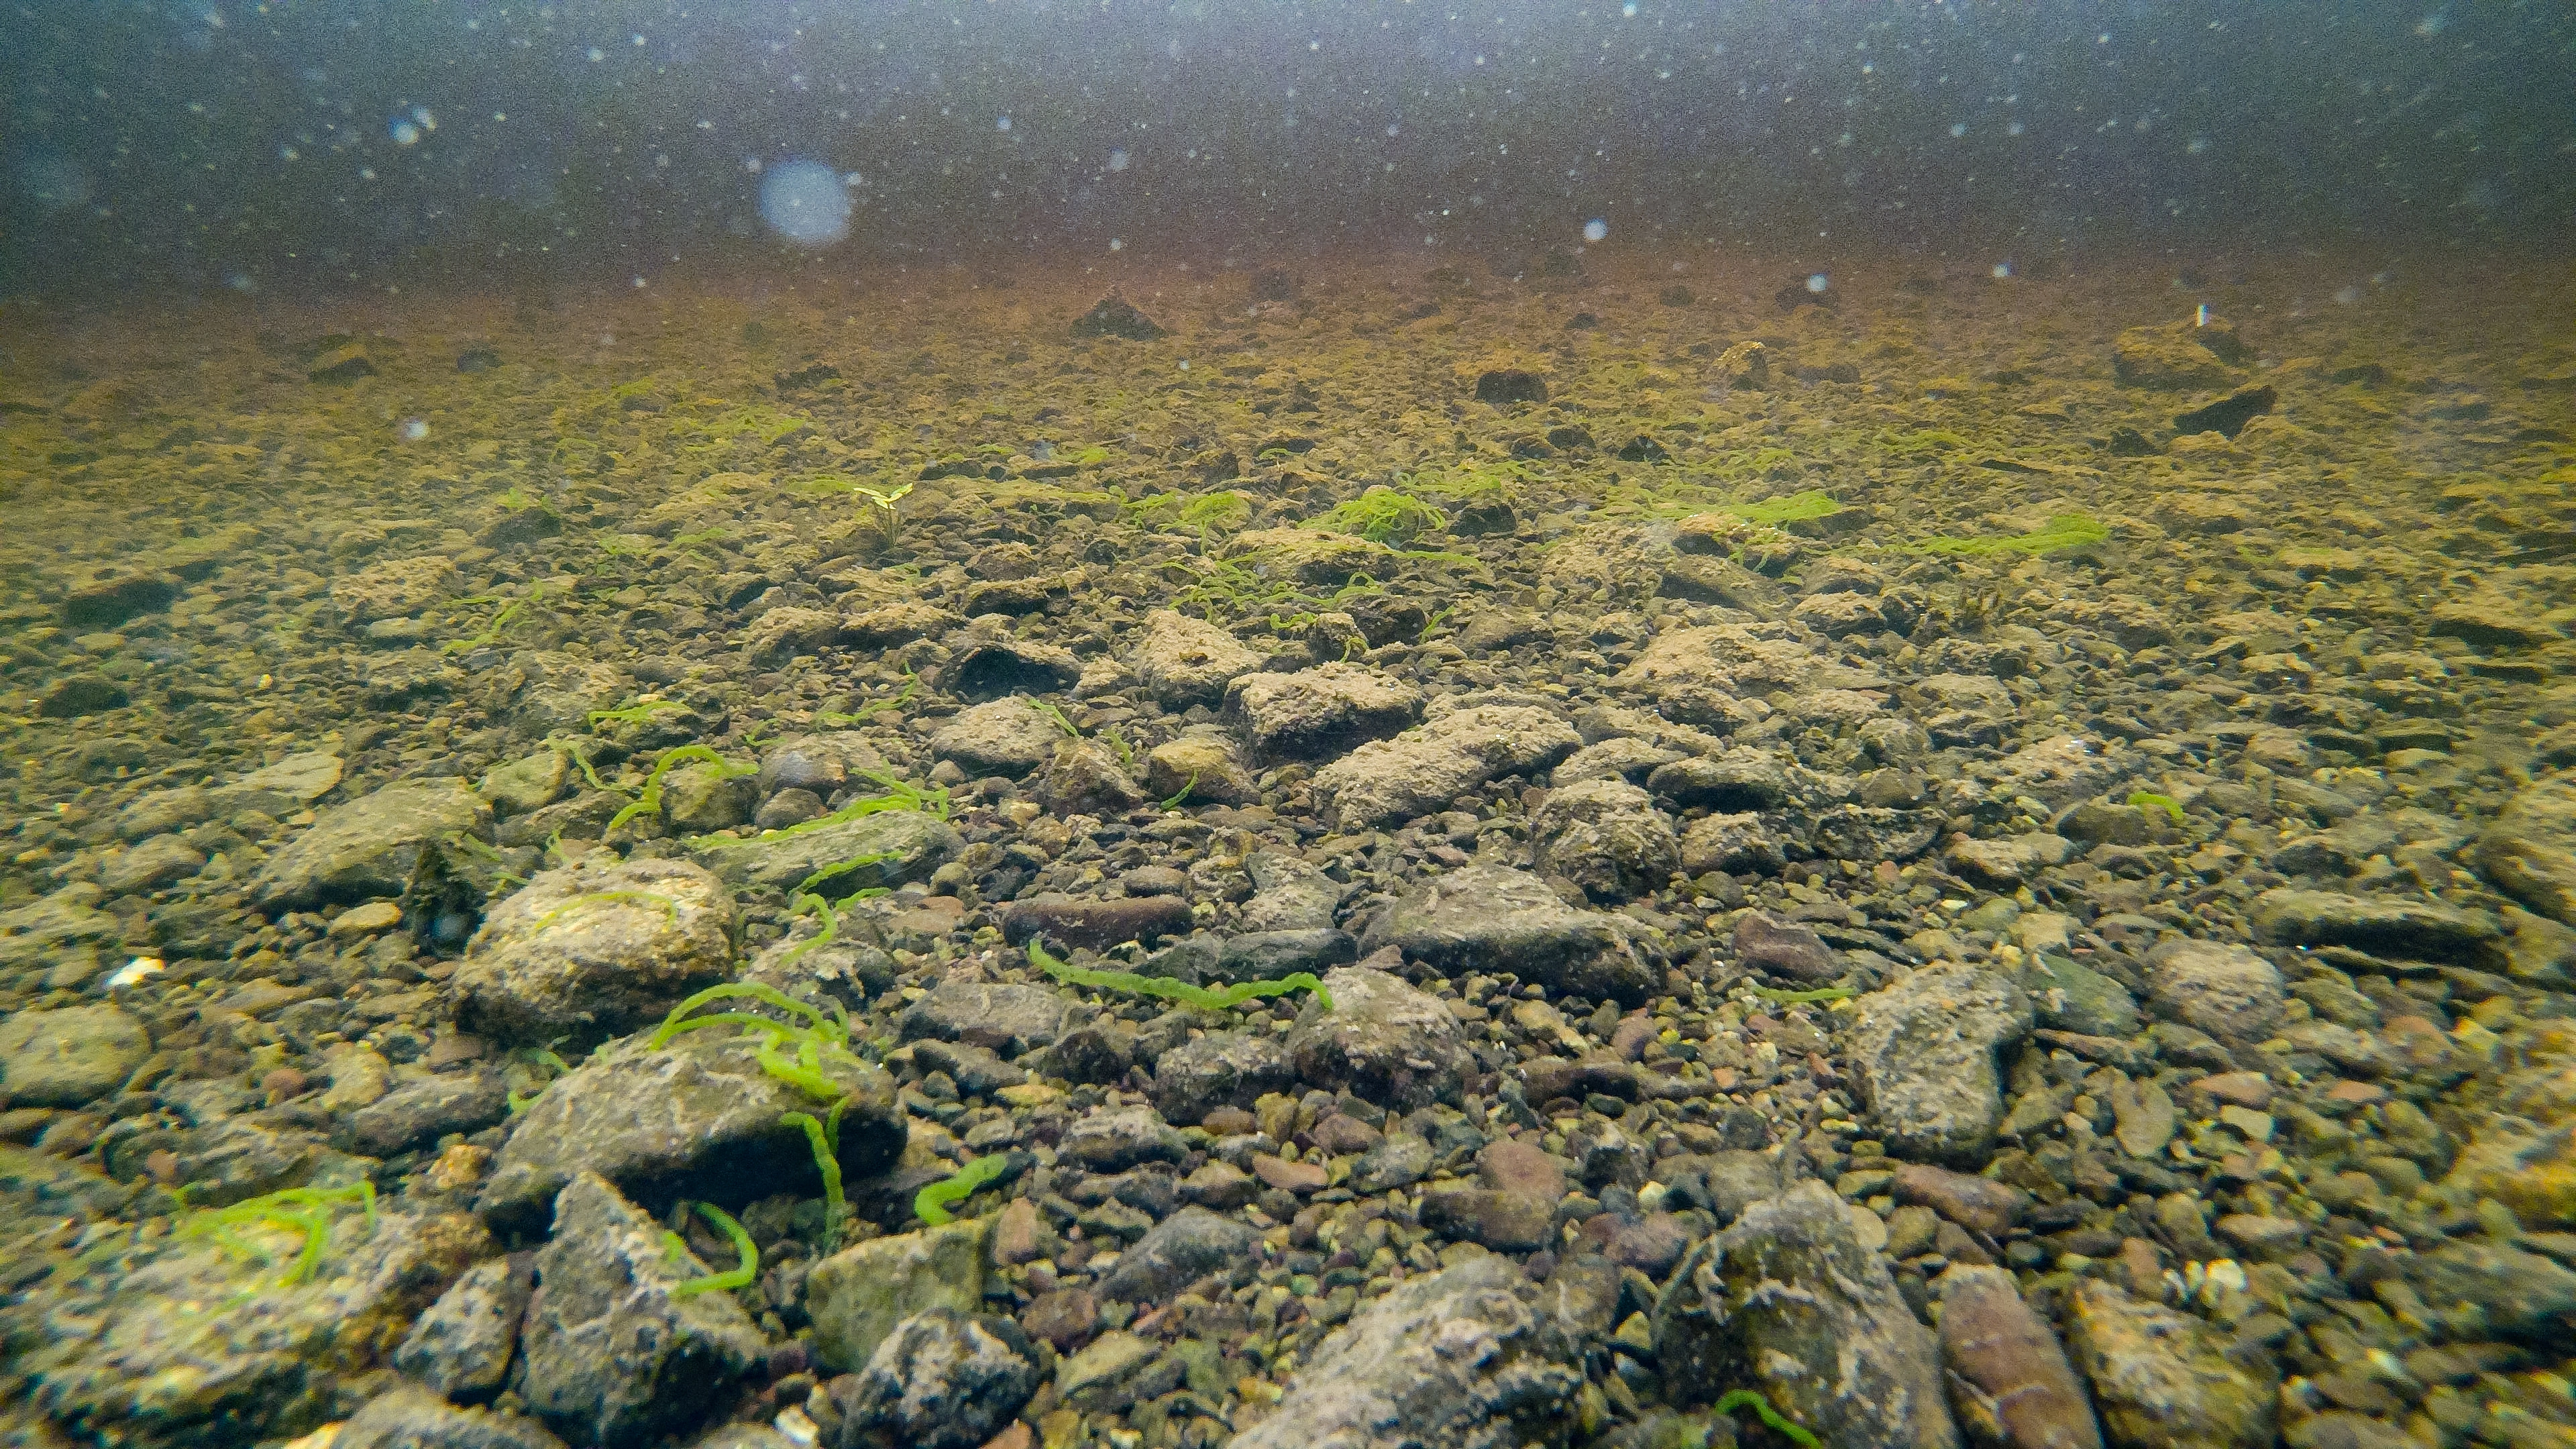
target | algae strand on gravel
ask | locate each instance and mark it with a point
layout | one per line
(738, 1276)
(932, 1202)
(1181, 991)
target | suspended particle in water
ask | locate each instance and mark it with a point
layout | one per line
(2003, 271)
(414, 429)
(1118, 159)
(1595, 229)
(805, 203)
(404, 131)
(1818, 283)
(1001, 123)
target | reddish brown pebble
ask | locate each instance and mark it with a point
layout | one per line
(283, 1083)
(2010, 1381)
(2243, 1089)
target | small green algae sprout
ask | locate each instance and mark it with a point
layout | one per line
(1192, 783)
(739, 1276)
(648, 900)
(636, 713)
(2150, 800)
(932, 1202)
(884, 513)
(1791, 998)
(1752, 1399)
(1055, 715)
(650, 802)
(304, 1210)
(2063, 531)
(1169, 990)
(502, 618)
(832, 719)
(824, 1137)
(805, 904)
(932, 802)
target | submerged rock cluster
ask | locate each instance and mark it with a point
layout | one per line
(1830, 857)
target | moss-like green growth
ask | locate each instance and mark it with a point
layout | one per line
(932, 1202)
(633, 713)
(304, 1210)
(738, 1276)
(502, 618)
(1192, 783)
(1797, 507)
(1752, 1399)
(650, 802)
(2150, 800)
(1789, 998)
(1055, 716)
(2064, 531)
(1181, 991)
(1382, 515)
(899, 795)
(650, 899)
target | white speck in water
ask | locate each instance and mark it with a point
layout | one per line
(1819, 282)
(2003, 270)
(1001, 123)
(404, 133)
(1118, 159)
(415, 429)
(1117, 244)
(1595, 229)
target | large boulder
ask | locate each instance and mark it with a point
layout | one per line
(612, 1354)
(1815, 1317)
(1381, 1039)
(1456, 1360)
(587, 953)
(1495, 918)
(370, 847)
(1926, 1047)
(1422, 770)
(698, 1118)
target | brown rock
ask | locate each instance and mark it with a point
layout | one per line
(2241, 1089)
(2010, 1383)
(1296, 1177)
(1979, 1203)
(1785, 948)
(1514, 1166)
(1069, 921)
(1506, 1221)
(1066, 1317)
(1019, 1235)
(1219, 1185)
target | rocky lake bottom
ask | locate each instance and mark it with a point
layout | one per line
(1364, 854)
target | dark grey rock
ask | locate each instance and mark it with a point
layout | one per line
(1178, 1251)
(1113, 1139)
(1456, 1360)
(461, 1346)
(1010, 1019)
(419, 1112)
(1269, 955)
(2486, 1290)
(1785, 948)
(2380, 925)
(1400, 1160)
(1289, 894)
(1817, 1322)
(69, 1056)
(1382, 1040)
(1070, 922)
(2071, 996)
(1318, 713)
(940, 1380)
(613, 1357)
(1219, 1069)
(370, 847)
(698, 1119)
(1495, 918)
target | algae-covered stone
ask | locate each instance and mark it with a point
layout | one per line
(1005, 737)
(858, 1295)
(886, 848)
(614, 1356)
(109, 1359)
(1316, 713)
(411, 1418)
(69, 1056)
(2162, 1379)
(698, 1118)
(532, 782)
(1383, 1039)
(371, 846)
(585, 953)
(1607, 837)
